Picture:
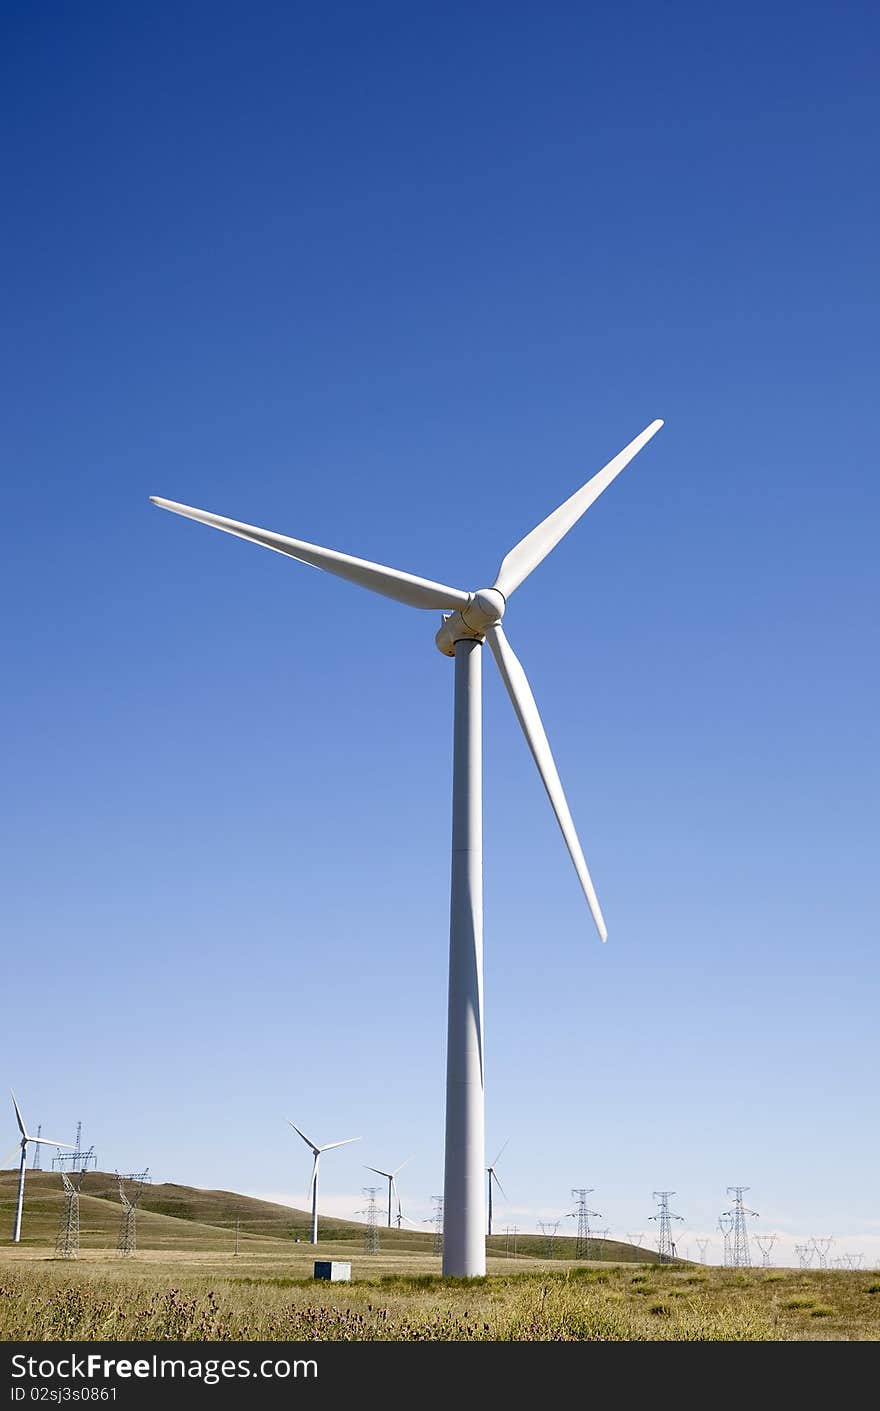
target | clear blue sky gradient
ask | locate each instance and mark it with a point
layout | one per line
(397, 279)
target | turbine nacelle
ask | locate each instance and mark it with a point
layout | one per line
(484, 609)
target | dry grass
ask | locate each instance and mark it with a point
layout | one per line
(157, 1299)
(185, 1284)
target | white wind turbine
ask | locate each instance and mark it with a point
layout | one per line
(25, 1138)
(469, 619)
(316, 1152)
(493, 1176)
(391, 1178)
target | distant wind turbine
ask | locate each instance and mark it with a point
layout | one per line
(391, 1178)
(493, 1177)
(41, 1141)
(317, 1152)
(468, 620)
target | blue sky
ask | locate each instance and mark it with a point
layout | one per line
(397, 280)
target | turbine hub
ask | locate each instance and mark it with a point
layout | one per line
(484, 610)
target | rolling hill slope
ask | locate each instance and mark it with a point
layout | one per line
(184, 1217)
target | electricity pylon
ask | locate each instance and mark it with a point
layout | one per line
(664, 1217)
(67, 1239)
(741, 1256)
(127, 1243)
(765, 1243)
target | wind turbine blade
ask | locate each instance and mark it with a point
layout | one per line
(19, 1118)
(16, 1151)
(308, 1141)
(389, 1175)
(520, 693)
(44, 1141)
(499, 1185)
(530, 551)
(499, 1156)
(314, 1179)
(390, 582)
(347, 1142)
(401, 1166)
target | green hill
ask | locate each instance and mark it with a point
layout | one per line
(184, 1217)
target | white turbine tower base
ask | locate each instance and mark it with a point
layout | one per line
(23, 1144)
(469, 619)
(313, 1186)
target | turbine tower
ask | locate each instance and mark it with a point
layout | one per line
(23, 1144)
(313, 1187)
(468, 620)
(391, 1178)
(492, 1175)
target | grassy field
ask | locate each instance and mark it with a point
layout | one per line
(185, 1283)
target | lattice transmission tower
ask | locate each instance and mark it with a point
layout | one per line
(585, 1247)
(664, 1218)
(636, 1239)
(702, 1246)
(67, 1239)
(822, 1247)
(725, 1229)
(805, 1254)
(77, 1159)
(127, 1243)
(765, 1243)
(548, 1229)
(371, 1235)
(35, 1164)
(438, 1224)
(740, 1255)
